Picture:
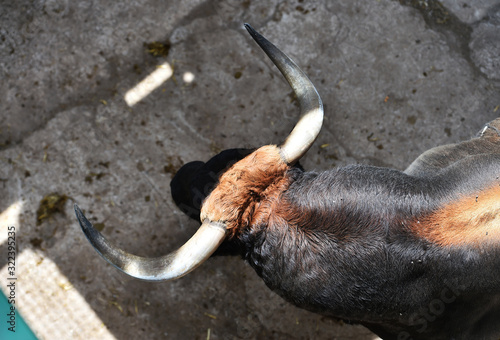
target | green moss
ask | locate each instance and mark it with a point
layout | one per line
(49, 205)
(158, 49)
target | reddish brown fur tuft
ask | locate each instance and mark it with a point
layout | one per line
(472, 220)
(247, 190)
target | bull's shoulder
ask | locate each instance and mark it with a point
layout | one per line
(481, 148)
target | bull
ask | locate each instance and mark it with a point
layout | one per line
(411, 254)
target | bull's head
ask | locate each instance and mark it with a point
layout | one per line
(213, 232)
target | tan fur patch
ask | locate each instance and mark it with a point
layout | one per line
(472, 220)
(247, 188)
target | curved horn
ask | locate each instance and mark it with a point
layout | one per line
(307, 129)
(168, 267)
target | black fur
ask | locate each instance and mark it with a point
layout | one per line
(344, 248)
(358, 262)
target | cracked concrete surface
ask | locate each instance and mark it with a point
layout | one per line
(396, 78)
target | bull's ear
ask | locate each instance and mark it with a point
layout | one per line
(180, 188)
(196, 180)
(227, 158)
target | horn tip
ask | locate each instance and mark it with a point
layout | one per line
(85, 224)
(78, 212)
(252, 31)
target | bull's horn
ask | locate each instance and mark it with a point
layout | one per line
(168, 267)
(307, 129)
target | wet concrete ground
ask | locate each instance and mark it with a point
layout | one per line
(396, 78)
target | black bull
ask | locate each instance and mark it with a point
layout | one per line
(411, 254)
